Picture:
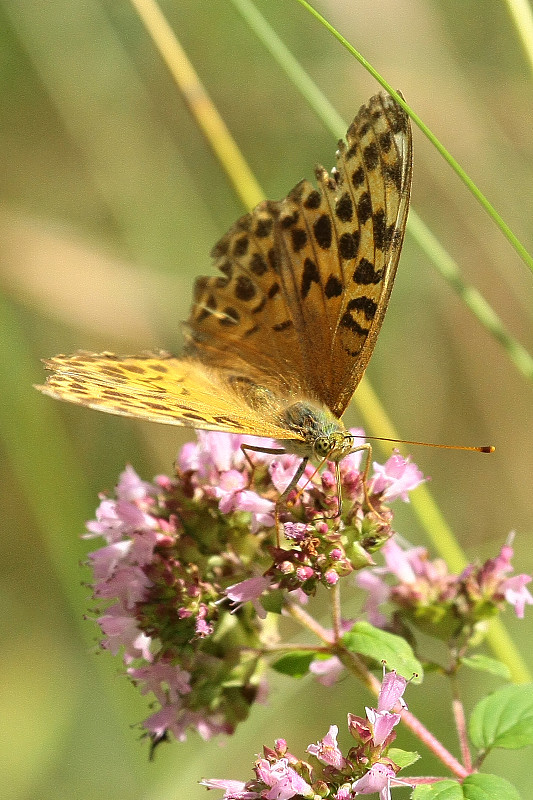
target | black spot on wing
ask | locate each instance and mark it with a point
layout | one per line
(240, 248)
(348, 245)
(351, 324)
(323, 231)
(366, 274)
(333, 287)
(344, 208)
(245, 288)
(364, 208)
(313, 200)
(298, 238)
(371, 156)
(258, 264)
(364, 304)
(310, 275)
(282, 326)
(263, 227)
(358, 177)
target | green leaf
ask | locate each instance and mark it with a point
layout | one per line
(488, 787)
(273, 601)
(404, 758)
(487, 664)
(379, 645)
(294, 664)
(504, 719)
(443, 790)
(475, 787)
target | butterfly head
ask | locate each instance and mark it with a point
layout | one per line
(334, 447)
(320, 434)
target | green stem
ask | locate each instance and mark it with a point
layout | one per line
(457, 168)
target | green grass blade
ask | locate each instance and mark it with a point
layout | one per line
(457, 168)
(522, 16)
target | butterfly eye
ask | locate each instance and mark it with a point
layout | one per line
(322, 446)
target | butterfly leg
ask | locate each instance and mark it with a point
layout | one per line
(256, 449)
(368, 447)
(270, 451)
(296, 477)
(283, 496)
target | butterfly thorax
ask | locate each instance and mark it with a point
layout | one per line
(319, 434)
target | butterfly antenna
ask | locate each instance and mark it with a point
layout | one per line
(486, 449)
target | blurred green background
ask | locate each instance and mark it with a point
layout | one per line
(110, 202)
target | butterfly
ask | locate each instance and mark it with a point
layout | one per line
(277, 343)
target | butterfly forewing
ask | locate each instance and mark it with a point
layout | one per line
(376, 168)
(306, 280)
(295, 311)
(160, 388)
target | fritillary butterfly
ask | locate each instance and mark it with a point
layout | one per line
(278, 342)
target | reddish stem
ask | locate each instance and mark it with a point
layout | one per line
(420, 730)
(358, 668)
(460, 724)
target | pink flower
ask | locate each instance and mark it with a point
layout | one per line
(261, 509)
(284, 781)
(166, 681)
(396, 478)
(392, 688)
(331, 577)
(187, 460)
(344, 792)
(121, 630)
(105, 561)
(246, 591)
(131, 488)
(176, 720)
(492, 579)
(404, 564)
(201, 626)
(327, 750)
(377, 593)
(516, 593)
(229, 485)
(283, 470)
(143, 545)
(128, 583)
(118, 518)
(382, 723)
(377, 779)
(233, 790)
(219, 451)
(326, 671)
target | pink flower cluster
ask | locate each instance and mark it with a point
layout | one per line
(366, 769)
(442, 603)
(184, 556)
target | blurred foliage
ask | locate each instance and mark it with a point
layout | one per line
(110, 203)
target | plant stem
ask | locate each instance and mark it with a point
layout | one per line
(356, 666)
(336, 612)
(305, 619)
(460, 723)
